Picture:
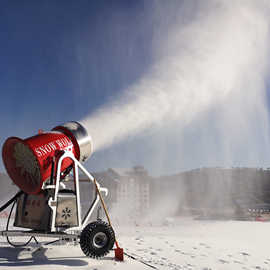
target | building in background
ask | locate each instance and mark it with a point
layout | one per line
(205, 192)
(129, 192)
(220, 192)
(133, 192)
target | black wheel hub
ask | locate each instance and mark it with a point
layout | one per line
(100, 240)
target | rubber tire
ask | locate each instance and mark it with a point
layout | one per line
(87, 237)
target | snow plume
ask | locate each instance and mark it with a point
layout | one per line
(210, 58)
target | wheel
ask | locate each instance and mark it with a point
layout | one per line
(97, 239)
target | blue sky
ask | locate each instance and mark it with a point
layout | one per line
(60, 60)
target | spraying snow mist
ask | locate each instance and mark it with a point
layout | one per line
(210, 66)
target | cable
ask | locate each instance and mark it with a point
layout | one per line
(11, 201)
(52, 242)
(14, 199)
(139, 260)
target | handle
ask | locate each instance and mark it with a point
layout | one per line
(104, 207)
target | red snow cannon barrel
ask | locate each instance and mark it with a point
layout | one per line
(28, 162)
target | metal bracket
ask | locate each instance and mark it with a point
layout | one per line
(53, 201)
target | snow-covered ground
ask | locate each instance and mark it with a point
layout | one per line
(185, 244)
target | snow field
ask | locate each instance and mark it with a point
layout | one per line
(187, 244)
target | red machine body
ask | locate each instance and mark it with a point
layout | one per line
(37, 165)
(29, 162)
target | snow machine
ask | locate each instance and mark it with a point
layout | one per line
(38, 165)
